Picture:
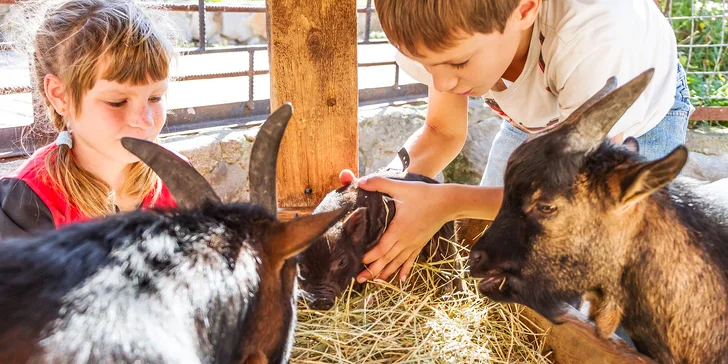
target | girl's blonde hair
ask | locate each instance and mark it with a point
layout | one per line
(69, 39)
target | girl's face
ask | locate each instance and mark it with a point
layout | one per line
(110, 111)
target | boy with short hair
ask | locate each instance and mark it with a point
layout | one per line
(534, 62)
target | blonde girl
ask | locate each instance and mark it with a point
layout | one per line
(101, 68)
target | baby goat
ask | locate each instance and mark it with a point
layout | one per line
(335, 258)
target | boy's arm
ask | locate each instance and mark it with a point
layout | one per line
(432, 147)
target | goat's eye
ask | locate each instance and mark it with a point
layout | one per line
(546, 209)
(342, 263)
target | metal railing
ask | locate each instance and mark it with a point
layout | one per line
(231, 114)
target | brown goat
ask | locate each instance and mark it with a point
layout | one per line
(582, 215)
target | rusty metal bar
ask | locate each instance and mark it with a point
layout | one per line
(251, 85)
(216, 50)
(8, 90)
(203, 30)
(213, 8)
(227, 49)
(368, 23)
(210, 76)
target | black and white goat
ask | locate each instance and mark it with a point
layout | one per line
(206, 283)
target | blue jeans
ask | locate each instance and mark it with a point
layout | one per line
(667, 135)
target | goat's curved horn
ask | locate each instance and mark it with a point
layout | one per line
(187, 186)
(592, 124)
(263, 157)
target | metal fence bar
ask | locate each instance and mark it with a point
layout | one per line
(251, 85)
(7, 90)
(203, 30)
(368, 21)
(697, 17)
(213, 8)
(721, 45)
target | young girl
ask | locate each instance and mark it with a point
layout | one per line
(101, 69)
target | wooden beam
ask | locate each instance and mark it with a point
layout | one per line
(286, 214)
(710, 113)
(576, 341)
(313, 65)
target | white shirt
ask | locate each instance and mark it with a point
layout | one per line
(576, 45)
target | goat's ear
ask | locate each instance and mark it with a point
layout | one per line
(632, 144)
(355, 226)
(643, 179)
(285, 240)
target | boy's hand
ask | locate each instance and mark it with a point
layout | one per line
(419, 216)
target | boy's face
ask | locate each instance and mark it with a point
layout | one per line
(476, 62)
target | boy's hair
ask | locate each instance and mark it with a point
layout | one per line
(78, 41)
(434, 24)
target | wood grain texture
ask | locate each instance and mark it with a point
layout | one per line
(287, 214)
(313, 56)
(576, 341)
(715, 113)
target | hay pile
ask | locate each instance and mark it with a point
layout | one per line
(412, 322)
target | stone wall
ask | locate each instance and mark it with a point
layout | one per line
(222, 155)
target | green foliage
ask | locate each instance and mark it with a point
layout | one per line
(709, 26)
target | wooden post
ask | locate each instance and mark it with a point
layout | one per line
(313, 65)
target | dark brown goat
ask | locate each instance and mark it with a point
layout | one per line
(328, 266)
(582, 215)
(208, 283)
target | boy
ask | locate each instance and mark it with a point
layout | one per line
(534, 62)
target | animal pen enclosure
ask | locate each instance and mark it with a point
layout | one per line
(312, 49)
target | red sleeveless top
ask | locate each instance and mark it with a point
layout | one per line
(34, 173)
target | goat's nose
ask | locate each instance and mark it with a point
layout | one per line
(477, 260)
(323, 304)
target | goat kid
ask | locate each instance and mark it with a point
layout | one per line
(330, 264)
